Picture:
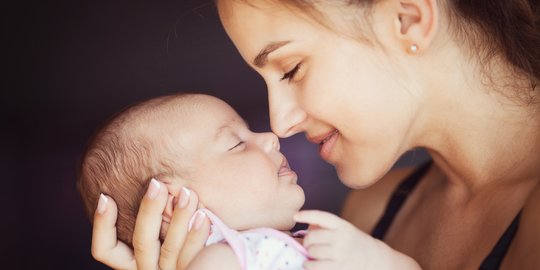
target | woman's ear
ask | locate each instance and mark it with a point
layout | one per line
(417, 23)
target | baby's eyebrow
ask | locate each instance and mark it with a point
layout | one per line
(223, 128)
(220, 131)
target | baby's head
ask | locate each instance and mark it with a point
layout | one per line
(194, 141)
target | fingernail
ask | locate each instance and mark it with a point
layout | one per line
(153, 189)
(184, 197)
(102, 204)
(197, 220)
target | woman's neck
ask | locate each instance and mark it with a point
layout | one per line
(480, 135)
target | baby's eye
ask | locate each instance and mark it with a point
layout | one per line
(237, 145)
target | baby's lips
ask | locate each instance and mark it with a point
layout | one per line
(284, 168)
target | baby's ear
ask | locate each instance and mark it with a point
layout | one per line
(174, 186)
(167, 213)
(166, 217)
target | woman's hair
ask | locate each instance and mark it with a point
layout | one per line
(506, 28)
(122, 157)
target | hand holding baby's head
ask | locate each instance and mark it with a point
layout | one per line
(194, 141)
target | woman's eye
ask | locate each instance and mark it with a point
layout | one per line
(237, 145)
(290, 74)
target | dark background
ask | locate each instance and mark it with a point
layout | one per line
(71, 64)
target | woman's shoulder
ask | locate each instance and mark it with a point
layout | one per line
(527, 239)
(529, 225)
(532, 210)
(364, 207)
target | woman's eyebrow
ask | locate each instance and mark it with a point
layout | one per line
(262, 58)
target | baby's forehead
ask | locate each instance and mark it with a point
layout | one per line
(204, 108)
(199, 117)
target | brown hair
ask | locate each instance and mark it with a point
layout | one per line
(121, 158)
(506, 28)
(510, 29)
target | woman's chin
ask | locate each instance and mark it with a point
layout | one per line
(355, 179)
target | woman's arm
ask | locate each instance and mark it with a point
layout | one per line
(179, 246)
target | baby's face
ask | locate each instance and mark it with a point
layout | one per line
(238, 174)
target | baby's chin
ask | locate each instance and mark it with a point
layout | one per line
(278, 221)
(288, 226)
(287, 223)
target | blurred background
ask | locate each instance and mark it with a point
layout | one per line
(72, 64)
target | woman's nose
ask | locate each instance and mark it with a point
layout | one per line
(285, 114)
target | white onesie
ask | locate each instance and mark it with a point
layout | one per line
(258, 249)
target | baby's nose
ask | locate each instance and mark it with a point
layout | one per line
(270, 141)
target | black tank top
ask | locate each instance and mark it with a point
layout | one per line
(494, 258)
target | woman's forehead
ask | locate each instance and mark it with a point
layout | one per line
(252, 25)
(255, 28)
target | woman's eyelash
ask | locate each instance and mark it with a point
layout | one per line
(290, 74)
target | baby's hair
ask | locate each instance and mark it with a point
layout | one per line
(122, 157)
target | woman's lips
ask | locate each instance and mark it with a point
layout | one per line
(327, 144)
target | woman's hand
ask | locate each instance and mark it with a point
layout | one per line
(333, 243)
(179, 247)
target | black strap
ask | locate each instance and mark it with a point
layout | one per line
(491, 262)
(496, 256)
(398, 198)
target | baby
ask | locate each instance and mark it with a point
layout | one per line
(199, 142)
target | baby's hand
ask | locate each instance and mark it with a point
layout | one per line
(333, 243)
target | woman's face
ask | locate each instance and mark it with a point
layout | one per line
(345, 95)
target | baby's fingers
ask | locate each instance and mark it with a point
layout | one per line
(319, 237)
(320, 218)
(320, 252)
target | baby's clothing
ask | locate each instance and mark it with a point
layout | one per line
(258, 249)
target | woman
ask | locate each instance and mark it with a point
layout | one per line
(370, 80)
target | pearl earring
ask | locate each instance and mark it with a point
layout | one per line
(413, 48)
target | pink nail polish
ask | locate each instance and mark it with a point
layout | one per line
(153, 189)
(197, 220)
(102, 204)
(184, 197)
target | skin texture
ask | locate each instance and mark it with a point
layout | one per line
(240, 175)
(148, 252)
(235, 172)
(217, 147)
(384, 100)
(218, 256)
(337, 83)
